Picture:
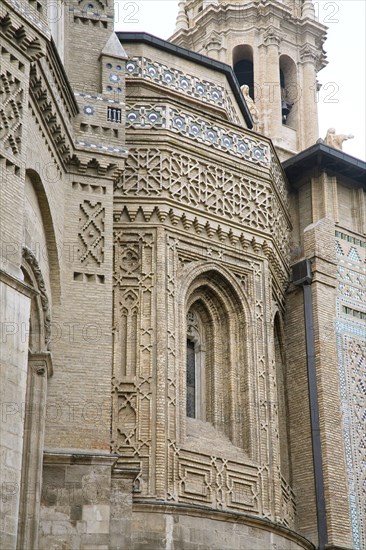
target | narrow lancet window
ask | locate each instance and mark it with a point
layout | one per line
(191, 379)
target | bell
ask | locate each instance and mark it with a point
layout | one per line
(286, 108)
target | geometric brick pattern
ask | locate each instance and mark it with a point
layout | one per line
(11, 98)
(351, 336)
(91, 233)
(205, 185)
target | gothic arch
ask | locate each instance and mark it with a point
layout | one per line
(49, 231)
(40, 319)
(214, 272)
(212, 294)
(39, 369)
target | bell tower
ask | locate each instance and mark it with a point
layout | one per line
(276, 48)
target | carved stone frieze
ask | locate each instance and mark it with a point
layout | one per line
(32, 261)
(208, 187)
(220, 234)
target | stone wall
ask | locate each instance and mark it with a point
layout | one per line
(185, 528)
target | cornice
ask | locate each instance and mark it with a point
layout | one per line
(27, 16)
(61, 80)
(58, 128)
(80, 157)
(188, 87)
(214, 229)
(150, 505)
(21, 35)
(79, 456)
(253, 14)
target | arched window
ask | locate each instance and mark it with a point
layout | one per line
(198, 331)
(243, 66)
(216, 376)
(192, 385)
(290, 93)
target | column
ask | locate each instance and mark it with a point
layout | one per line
(39, 368)
(310, 129)
(271, 92)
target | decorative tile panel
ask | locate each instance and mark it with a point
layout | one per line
(351, 346)
(198, 129)
(189, 85)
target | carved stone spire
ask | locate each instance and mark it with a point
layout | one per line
(308, 9)
(182, 19)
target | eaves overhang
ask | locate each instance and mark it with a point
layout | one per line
(184, 53)
(321, 158)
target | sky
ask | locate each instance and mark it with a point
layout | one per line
(342, 96)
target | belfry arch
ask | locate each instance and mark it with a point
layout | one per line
(51, 252)
(243, 66)
(290, 92)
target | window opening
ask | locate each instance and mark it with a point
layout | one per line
(191, 379)
(114, 115)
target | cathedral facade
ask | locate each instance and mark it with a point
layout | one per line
(182, 282)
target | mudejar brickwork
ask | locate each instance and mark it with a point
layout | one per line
(182, 282)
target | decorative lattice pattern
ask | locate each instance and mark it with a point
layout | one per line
(91, 233)
(351, 337)
(11, 100)
(132, 392)
(207, 186)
